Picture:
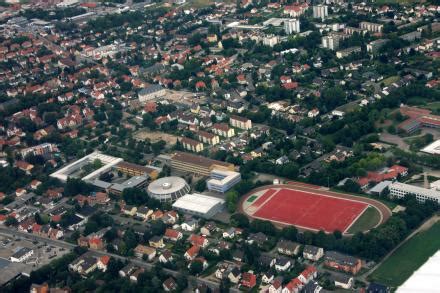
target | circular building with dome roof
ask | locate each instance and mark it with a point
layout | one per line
(168, 189)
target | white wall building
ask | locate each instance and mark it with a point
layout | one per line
(22, 254)
(291, 26)
(270, 40)
(320, 11)
(199, 205)
(400, 190)
(330, 42)
(222, 181)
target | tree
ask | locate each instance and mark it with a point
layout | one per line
(240, 220)
(231, 200)
(289, 233)
(11, 221)
(196, 267)
(200, 185)
(76, 186)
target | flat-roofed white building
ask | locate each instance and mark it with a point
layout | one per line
(400, 190)
(199, 205)
(22, 254)
(222, 180)
(433, 148)
(73, 169)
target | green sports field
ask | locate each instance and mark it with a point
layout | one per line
(366, 221)
(408, 258)
(251, 198)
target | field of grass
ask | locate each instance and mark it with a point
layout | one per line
(366, 221)
(251, 198)
(408, 258)
(388, 81)
(432, 106)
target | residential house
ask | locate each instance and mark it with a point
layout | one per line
(192, 145)
(208, 138)
(192, 252)
(288, 247)
(313, 253)
(223, 129)
(248, 280)
(169, 284)
(342, 281)
(258, 238)
(173, 235)
(276, 286)
(208, 229)
(309, 274)
(267, 278)
(234, 275)
(127, 270)
(84, 264)
(156, 242)
(342, 262)
(129, 210)
(198, 240)
(189, 225)
(142, 250)
(283, 264)
(166, 257)
(170, 217)
(240, 122)
(103, 262)
(294, 286)
(143, 212)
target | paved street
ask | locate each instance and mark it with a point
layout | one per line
(191, 279)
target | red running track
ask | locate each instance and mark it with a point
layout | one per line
(310, 210)
(264, 197)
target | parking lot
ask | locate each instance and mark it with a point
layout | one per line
(43, 254)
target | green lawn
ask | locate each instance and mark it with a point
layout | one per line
(432, 106)
(388, 81)
(366, 221)
(251, 198)
(408, 258)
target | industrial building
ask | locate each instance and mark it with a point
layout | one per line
(168, 189)
(222, 181)
(189, 163)
(199, 205)
(400, 190)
